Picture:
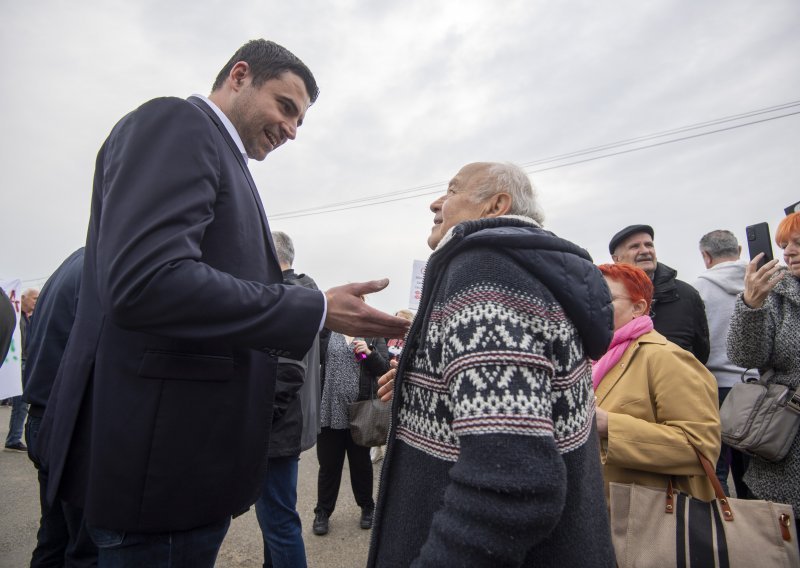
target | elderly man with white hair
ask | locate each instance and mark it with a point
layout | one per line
(492, 457)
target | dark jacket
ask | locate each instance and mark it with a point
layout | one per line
(375, 365)
(24, 324)
(295, 416)
(678, 312)
(493, 456)
(160, 415)
(8, 323)
(49, 331)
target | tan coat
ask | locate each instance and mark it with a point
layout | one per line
(658, 398)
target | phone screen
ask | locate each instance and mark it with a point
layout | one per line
(758, 241)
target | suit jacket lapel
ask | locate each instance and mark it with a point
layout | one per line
(199, 103)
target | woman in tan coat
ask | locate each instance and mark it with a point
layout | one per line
(655, 400)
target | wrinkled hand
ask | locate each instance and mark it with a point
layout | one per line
(349, 315)
(360, 346)
(602, 422)
(759, 282)
(386, 382)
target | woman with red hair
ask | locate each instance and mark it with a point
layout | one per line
(655, 401)
(765, 334)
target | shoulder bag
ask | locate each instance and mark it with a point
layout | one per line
(761, 418)
(653, 528)
(369, 419)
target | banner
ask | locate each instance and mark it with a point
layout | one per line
(417, 276)
(11, 371)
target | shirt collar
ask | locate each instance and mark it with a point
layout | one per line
(228, 125)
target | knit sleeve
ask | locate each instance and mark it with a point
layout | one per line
(751, 334)
(520, 392)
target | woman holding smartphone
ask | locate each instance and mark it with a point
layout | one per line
(765, 334)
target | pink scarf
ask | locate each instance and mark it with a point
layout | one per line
(622, 339)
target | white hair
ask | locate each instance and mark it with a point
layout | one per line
(284, 247)
(510, 178)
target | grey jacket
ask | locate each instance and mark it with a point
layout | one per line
(769, 337)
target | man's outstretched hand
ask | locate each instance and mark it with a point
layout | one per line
(350, 315)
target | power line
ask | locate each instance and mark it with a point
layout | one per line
(665, 133)
(403, 194)
(667, 142)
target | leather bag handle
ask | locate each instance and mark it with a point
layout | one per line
(727, 513)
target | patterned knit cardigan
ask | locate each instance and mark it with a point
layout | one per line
(492, 457)
(769, 337)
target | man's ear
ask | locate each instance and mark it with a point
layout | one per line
(497, 205)
(238, 73)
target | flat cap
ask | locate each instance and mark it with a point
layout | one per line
(627, 232)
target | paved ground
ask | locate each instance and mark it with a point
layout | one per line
(345, 546)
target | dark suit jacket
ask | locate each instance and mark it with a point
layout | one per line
(159, 419)
(49, 331)
(8, 323)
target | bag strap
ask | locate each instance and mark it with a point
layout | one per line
(669, 508)
(762, 377)
(727, 513)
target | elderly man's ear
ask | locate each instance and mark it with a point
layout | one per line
(497, 205)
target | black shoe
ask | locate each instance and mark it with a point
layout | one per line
(366, 517)
(320, 523)
(17, 447)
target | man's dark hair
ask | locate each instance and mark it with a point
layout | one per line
(268, 60)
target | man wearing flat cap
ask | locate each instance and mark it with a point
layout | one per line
(677, 309)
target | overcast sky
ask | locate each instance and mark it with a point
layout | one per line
(411, 92)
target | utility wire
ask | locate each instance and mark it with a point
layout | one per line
(665, 133)
(666, 142)
(403, 194)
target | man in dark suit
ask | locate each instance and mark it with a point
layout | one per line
(62, 539)
(159, 419)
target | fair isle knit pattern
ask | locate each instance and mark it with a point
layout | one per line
(492, 457)
(507, 359)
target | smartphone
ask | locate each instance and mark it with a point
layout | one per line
(758, 241)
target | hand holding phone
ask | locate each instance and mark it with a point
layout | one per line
(360, 348)
(758, 241)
